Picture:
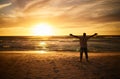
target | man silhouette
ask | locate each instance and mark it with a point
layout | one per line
(83, 44)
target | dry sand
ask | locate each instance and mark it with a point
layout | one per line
(58, 65)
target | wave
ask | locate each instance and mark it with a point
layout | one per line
(59, 43)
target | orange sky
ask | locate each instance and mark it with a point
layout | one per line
(19, 17)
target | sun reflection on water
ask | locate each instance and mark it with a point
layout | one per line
(42, 51)
(43, 44)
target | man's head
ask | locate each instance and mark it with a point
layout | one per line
(84, 34)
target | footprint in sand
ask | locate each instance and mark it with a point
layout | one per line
(54, 67)
(55, 70)
(55, 78)
(38, 78)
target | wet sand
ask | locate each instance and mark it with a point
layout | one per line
(58, 65)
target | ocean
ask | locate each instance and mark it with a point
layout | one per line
(58, 43)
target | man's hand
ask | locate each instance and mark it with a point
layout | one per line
(71, 35)
(96, 34)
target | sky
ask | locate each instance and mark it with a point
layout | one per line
(19, 17)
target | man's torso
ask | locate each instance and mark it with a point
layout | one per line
(83, 42)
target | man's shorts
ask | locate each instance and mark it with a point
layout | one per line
(83, 49)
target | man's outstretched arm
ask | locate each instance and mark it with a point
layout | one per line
(74, 36)
(93, 35)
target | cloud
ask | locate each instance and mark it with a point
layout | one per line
(5, 5)
(4, 1)
(107, 11)
(98, 11)
(35, 5)
(69, 12)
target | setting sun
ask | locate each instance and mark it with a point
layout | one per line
(42, 29)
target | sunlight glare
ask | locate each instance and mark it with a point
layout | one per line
(42, 29)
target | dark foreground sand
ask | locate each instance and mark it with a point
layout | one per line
(58, 65)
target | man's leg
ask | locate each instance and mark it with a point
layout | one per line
(86, 53)
(81, 53)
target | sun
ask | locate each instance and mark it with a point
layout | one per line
(42, 29)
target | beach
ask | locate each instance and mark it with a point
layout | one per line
(58, 65)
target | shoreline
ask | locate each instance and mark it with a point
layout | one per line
(56, 52)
